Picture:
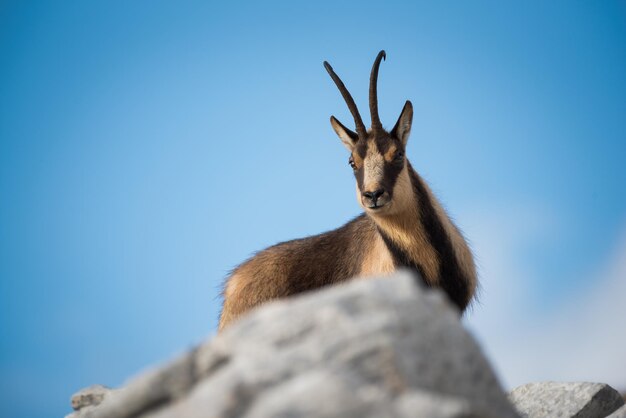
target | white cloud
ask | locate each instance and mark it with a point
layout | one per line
(582, 339)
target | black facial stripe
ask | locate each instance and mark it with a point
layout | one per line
(451, 277)
(361, 149)
(391, 171)
(359, 174)
(383, 143)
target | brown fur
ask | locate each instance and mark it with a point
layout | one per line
(355, 249)
(297, 266)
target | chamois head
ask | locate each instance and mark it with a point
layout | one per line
(377, 156)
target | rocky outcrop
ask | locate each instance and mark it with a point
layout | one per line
(554, 399)
(620, 413)
(368, 348)
(92, 395)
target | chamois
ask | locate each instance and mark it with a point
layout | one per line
(403, 226)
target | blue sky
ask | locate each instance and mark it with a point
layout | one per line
(147, 148)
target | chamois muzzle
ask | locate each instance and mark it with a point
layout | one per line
(375, 199)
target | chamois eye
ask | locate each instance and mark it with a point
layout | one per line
(351, 162)
(399, 156)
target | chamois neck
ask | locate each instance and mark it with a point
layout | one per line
(422, 238)
(404, 231)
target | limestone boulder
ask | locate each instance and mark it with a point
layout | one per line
(369, 348)
(557, 399)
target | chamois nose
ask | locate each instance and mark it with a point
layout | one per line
(373, 196)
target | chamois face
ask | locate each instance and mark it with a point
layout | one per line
(377, 161)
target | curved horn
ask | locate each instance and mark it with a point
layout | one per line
(360, 127)
(376, 125)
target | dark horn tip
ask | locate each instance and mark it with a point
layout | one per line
(383, 53)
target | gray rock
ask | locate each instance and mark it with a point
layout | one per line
(620, 413)
(92, 395)
(432, 405)
(368, 348)
(554, 399)
(152, 388)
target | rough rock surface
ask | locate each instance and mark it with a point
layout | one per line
(92, 395)
(554, 399)
(368, 348)
(620, 413)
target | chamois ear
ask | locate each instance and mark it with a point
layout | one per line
(347, 136)
(403, 125)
